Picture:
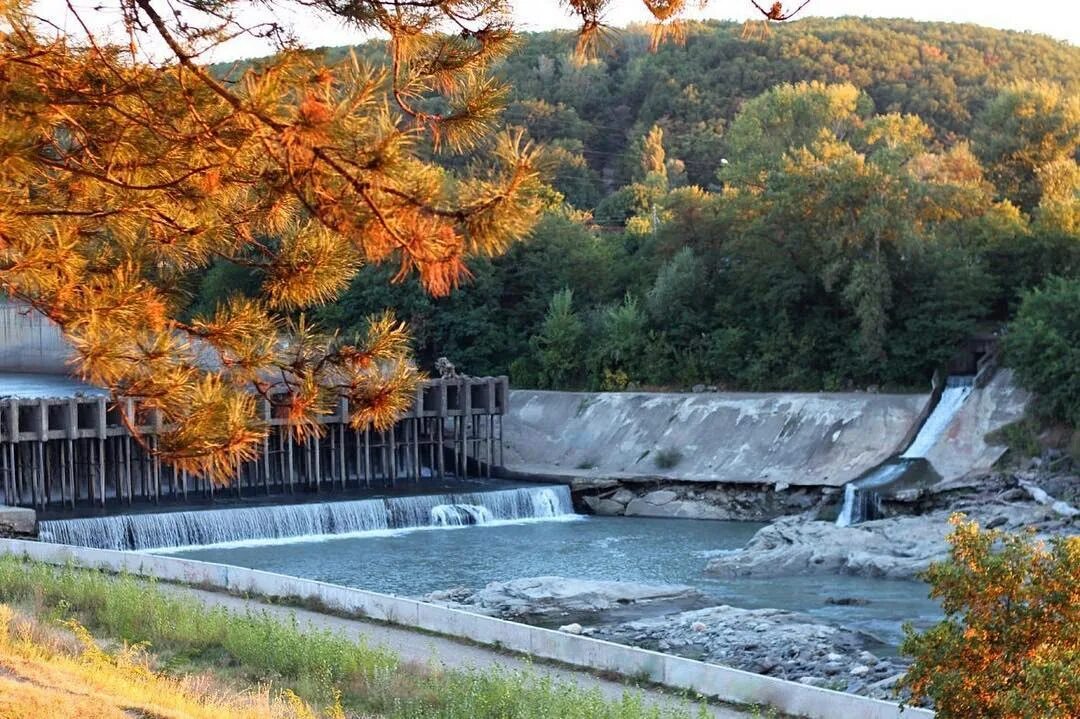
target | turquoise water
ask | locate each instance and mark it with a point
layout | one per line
(418, 561)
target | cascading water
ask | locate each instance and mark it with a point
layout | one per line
(860, 498)
(956, 391)
(285, 522)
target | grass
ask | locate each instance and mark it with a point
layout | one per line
(285, 668)
(49, 672)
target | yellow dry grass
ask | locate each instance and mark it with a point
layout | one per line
(47, 673)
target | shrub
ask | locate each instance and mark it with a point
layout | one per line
(1043, 346)
(667, 458)
(1021, 437)
(1009, 646)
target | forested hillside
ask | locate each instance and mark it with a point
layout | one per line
(836, 204)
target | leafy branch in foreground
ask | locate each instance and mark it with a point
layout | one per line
(124, 177)
(1009, 646)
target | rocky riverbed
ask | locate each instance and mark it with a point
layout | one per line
(681, 620)
(787, 645)
(677, 619)
(902, 546)
(554, 601)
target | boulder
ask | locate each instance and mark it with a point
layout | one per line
(666, 503)
(604, 507)
(898, 547)
(540, 596)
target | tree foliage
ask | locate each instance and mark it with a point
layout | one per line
(1009, 646)
(1043, 345)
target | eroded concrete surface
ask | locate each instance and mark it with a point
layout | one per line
(962, 448)
(797, 439)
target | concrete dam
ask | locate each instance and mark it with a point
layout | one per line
(743, 455)
(738, 438)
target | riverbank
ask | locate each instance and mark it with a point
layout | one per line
(680, 620)
(903, 545)
(341, 668)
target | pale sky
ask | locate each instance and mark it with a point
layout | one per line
(1057, 18)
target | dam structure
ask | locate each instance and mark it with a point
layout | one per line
(278, 524)
(65, 449)
(861, 496)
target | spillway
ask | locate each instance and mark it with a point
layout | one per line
(171, 530)
(860, 496)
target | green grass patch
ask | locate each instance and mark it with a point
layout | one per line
(318, 666)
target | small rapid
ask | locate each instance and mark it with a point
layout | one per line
(304, 522)
(861, 500)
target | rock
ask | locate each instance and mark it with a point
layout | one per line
(697, 389)
(623, 496)
(573, 628)
(538, 596)
(604, 507)
(585, 484)
(996, 522)
(847, 601)
(898, 547)
(17, 521)
(1060, 508)
(860, 670)
(660, 497)
(820, 682)
(888, 682)
(779, 643)
(665, 503)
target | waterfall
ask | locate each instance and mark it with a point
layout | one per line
(170, 530)
(956, 391)
(861, 501)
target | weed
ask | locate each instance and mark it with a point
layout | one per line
(667, 458)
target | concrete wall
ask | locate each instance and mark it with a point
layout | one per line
(798, 439)
(962, 448)
(29, 342)
(726, 684)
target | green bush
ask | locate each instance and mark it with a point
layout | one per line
(1021, 437)
(1043, 346)
(667, 458)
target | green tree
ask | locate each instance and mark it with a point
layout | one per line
(1009, 646)
(620, 352)
(560, 343)
(1043, 346)
(1028, 127)
(653, 158)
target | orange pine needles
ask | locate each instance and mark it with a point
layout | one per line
(122, 179)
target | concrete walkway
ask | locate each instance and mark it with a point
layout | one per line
(426, 649)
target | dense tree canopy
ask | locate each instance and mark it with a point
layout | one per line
(829, 206)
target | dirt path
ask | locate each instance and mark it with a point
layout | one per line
(424, 648)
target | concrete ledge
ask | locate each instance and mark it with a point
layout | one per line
(723, 683)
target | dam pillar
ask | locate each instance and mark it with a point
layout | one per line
(59, 453)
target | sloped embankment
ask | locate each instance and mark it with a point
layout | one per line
(731, 438)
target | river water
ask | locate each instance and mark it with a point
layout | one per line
(412, 562)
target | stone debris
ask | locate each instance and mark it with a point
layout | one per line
(774, 642)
